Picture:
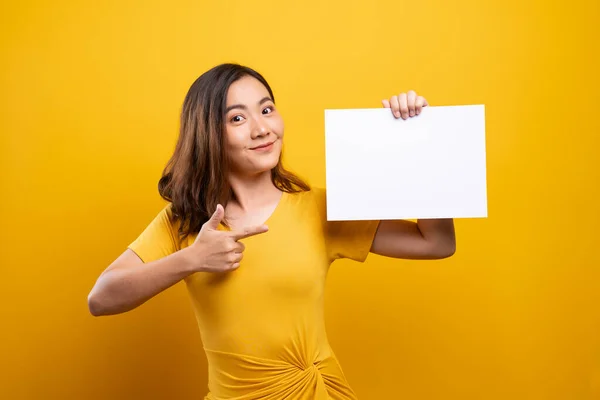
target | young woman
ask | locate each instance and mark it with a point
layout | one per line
(253, 244)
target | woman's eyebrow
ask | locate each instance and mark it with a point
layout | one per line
(243, 107)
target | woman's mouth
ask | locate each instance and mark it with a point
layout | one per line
(264, 147)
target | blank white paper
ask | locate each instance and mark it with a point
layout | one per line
(429, 166)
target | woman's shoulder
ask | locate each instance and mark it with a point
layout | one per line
(167, 211)
(314, 193)
(168, 215)
(310, 199)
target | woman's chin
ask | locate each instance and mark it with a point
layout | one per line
(268, 163)
(267, 167)
(256, 169)
(258, 165)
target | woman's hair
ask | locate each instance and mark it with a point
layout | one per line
(195, 177)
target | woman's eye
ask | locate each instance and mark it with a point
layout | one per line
(270, 110)
(237, 118)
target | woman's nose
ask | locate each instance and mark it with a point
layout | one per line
(260, 128)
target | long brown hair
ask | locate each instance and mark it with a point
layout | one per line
(195, 177)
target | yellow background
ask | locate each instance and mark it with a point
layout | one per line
(90, 96)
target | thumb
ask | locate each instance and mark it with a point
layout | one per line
(216, 218)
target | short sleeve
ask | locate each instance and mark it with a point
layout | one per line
(346, 239)
(350, 239)
(159, 239)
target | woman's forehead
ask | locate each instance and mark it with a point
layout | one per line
(246, 90)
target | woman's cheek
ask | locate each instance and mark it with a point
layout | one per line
(280, 129)
(236, 139)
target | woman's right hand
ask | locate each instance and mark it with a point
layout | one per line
(219, 251)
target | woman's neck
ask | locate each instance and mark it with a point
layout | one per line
(252, 192)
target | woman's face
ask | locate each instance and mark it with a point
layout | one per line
(253, 128)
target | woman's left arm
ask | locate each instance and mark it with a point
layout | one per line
(427, 239)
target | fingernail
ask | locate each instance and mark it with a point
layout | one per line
(412, 113)
(397, 113)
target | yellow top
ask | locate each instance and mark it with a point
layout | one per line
(262, 325)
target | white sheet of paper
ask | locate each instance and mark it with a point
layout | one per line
(429, 166)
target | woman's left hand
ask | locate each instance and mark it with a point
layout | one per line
(405, 105)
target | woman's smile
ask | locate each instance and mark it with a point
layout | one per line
(265, 147)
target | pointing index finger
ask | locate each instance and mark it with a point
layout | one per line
(249, 231)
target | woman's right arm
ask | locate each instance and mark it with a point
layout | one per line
(129, 282)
